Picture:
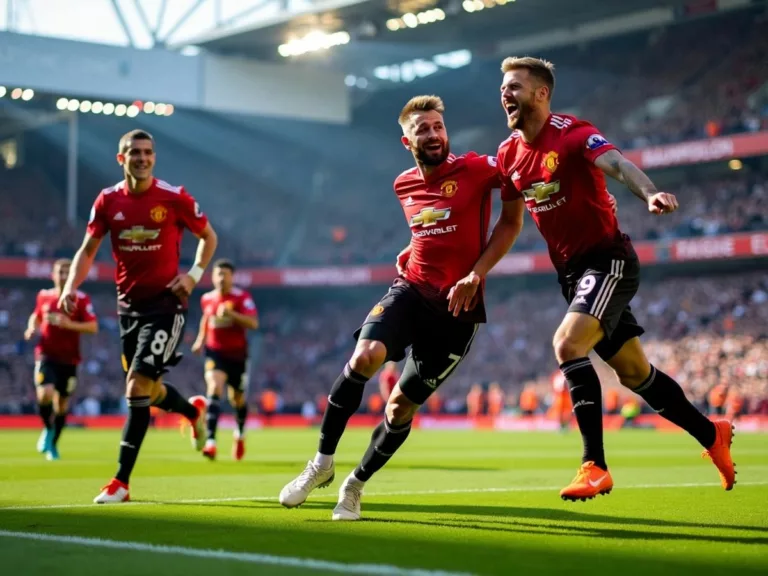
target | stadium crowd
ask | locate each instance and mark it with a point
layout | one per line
(703, 332)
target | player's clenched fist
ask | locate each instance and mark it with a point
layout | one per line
(68, 300)
(662, 203)
(182, 285)
(462, 295)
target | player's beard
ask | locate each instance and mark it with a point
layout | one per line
(432, 158)
(524, 110)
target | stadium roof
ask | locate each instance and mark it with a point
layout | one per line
(366, 22)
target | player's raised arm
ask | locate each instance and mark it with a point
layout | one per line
(505, 232)
(614, 164)
(81, 265)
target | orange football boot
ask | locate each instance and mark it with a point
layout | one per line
(720, 453)
(590, 481)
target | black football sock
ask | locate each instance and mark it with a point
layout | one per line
(59, 421)
(586, 395)
(343, 401)
(241, 416)
(212, 416)
(666, 397)
(385, 441)
(45, 414)
(175, 402)
(133, 435)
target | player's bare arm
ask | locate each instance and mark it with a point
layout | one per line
(249, 322)
(505, 232)
(402, 259)
(32, 325)
(183, 284)
(615, 165)
(67, 323)
(197, 347)
(81, 265)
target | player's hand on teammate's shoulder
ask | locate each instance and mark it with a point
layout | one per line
(182, 285)
(662, 203)
(463, 293)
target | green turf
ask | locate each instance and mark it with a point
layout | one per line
(463, 525)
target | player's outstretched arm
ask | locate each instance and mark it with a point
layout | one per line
(504, 234)
(615, 165)
(200, 340)
(81, 265)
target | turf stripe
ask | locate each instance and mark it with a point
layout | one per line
(249, 557)
(372, 494)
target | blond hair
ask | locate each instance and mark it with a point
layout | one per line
(424, 103)
(543, 70)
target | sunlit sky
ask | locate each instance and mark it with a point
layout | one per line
(97, 21)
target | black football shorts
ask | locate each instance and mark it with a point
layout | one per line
(438, 341)
(150, 343)
(235, 370)
(604, 289)
(63, 377)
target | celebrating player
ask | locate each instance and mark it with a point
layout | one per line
(57, 354)
(446, 200)
(145, 218)
(556, 164)
(228, 312)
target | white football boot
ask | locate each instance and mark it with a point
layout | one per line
(348, 507)
(295, 493)
(113, 493)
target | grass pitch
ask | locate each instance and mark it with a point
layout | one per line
(448, 503)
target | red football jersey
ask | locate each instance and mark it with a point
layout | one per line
(222, 334)
(146, 230)
(58, 344)
(449, 212)
(564, 191)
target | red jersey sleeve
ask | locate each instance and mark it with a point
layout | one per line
(588, 141)
(486, 170)
(247, 305)
(190, 214)
(85, 310)
(97, 221)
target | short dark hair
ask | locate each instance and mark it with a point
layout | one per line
(541, 69)
(224, 263)
(62, 262)
(125, 140)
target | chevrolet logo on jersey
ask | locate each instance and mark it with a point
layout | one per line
(139, 234)
(541, 191)
(430, 217)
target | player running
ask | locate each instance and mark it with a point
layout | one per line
(447, 203)
(228, 313)
(556, 163)
(57, 354)
(145, 218)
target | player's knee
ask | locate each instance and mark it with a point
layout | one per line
(45, 394)
(60, 405)
(139, 385)
(368, 357)
(568, 348)
(400, 410)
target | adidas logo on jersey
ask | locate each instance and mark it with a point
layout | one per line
(119, 216)
(409, 202)
(515, 176)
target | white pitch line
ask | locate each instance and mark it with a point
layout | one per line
(249, 557)
(372, 494)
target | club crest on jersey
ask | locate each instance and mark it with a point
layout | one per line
(550, 162)
(429, 217)
(449, 188)
(596, 141)
(377, 310)
(540, 192)
(158, 213)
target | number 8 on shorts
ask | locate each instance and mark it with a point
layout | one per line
(150, 343)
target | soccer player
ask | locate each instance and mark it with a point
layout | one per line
(228, 312)
(57, 354)
(446, 201)
(145, 219)
(557, 164)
